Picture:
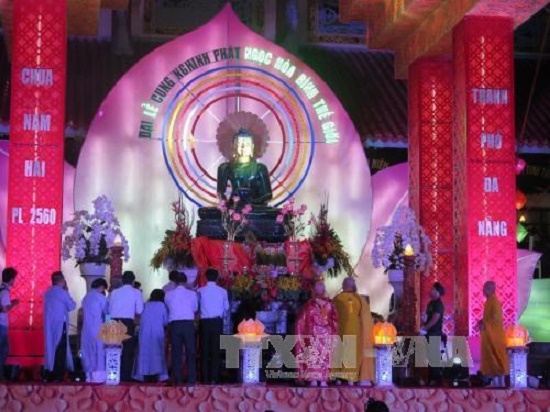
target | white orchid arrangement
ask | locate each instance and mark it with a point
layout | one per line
(88, 237)
(390, 242)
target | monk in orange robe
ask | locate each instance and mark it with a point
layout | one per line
(494, 360)
(316, 327)
(355, 320)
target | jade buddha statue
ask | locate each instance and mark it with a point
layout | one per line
(248, 178)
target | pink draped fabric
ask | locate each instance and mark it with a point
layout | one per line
(316, 326)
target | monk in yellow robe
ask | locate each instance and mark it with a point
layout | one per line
(355, 320)
(494, 360)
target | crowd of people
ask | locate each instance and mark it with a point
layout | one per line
(168, 328)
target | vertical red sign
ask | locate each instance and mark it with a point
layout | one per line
(485, 157)
(35, 204)
(431, 170)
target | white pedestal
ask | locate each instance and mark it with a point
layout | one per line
(251, 359)
(112, 357)
(518, 367)
(384, 365)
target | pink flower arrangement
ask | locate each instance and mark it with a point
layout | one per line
(233, 219)
(291, 219)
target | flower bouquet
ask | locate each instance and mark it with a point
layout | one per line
(326, 245)
(291, 219)
(176, 245)
(390, 242)
(233, 218)
(88, 237)
(266, 287)
(289, 288)
(269, 255)
(241, 287)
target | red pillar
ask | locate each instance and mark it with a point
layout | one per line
(484, 143)
(35, 203)
(431, 169)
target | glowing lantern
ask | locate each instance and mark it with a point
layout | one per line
(251, 330)
(520, 165)
(516, 336)
(521, 232)
(112, 334)
(409, 251)
(384, 334)
(521, 199)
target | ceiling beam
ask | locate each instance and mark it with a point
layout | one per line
(418, 28)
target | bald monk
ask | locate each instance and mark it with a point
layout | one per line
(494, 360)
(355, 319)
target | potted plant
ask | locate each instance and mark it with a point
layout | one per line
(391, 241)
(326, 246)
(88, 237)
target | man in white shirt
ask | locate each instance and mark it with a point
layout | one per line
(125, 304)
(214, 303)
(6, 304)
(172, 277)
(182, 306)
(57, 305)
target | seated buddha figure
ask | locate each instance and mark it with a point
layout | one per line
(248, 178)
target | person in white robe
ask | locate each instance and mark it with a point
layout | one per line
(57, 305)
(94, 310)
(151, 359)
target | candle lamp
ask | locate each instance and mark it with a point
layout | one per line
(251, 333)
(385, 336)
(409, 251)
(517, 339)
(112, 334)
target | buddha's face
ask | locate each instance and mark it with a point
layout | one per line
(244, 146)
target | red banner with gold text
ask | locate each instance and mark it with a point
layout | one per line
(35, 190)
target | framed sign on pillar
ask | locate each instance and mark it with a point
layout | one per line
(485, 181)
(35, 188)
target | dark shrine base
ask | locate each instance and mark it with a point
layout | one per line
(262, 223)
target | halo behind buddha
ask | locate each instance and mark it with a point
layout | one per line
(237, 122)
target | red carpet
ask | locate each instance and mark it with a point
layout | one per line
(82, 397)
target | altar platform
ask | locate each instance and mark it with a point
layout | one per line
(228, 398)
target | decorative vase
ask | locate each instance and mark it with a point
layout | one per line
(293, 259)
(91, 272)
(226, 257)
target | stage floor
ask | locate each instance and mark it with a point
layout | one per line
(134, 397)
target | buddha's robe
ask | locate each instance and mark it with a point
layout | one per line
(251, 176)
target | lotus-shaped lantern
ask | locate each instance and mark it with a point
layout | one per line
(384, 333)
(113, 333)
(516, 336)
(251, 330)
